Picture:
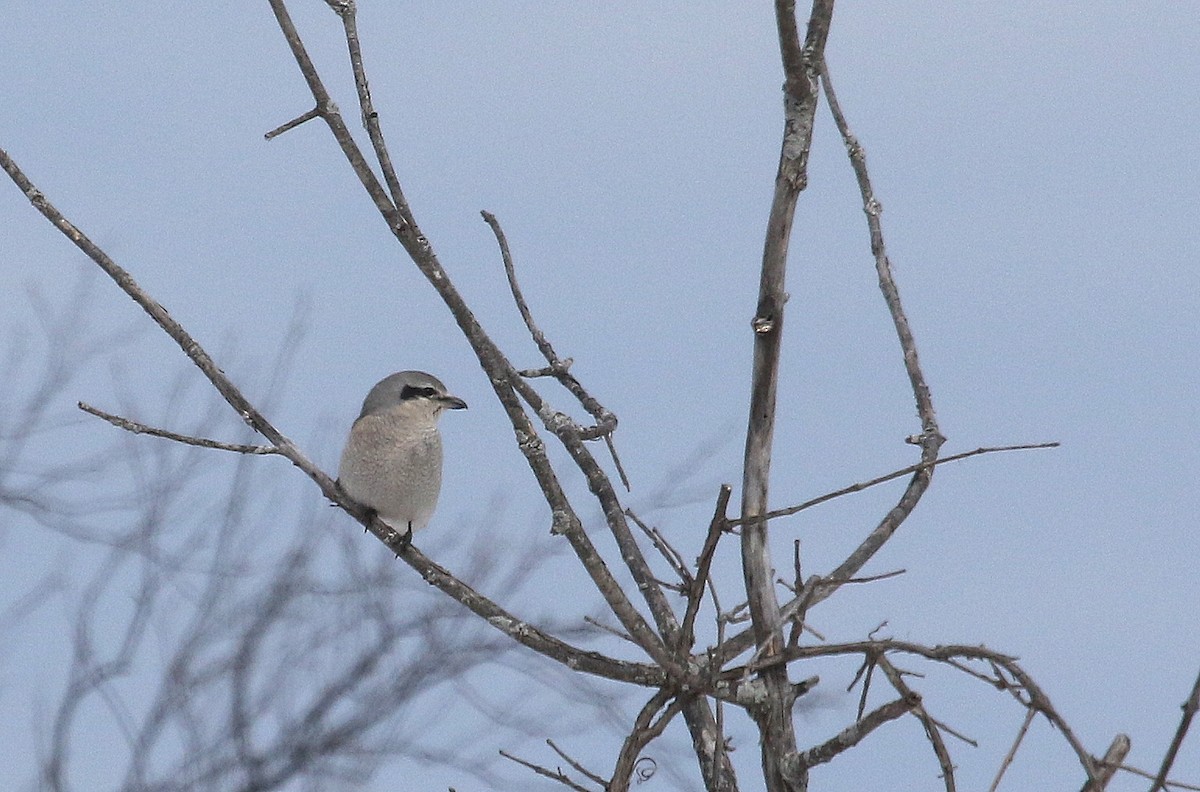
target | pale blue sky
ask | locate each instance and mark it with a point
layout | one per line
(1037, 168)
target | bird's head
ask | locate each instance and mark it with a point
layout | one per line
(421, 392)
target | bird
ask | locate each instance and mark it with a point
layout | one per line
(392, 462)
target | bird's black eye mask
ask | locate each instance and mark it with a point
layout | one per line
(412, 392)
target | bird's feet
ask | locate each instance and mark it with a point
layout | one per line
(404, 542)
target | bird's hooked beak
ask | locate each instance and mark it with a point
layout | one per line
(449, 402)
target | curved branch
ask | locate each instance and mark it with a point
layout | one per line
(931, 438)
(950, 654)
(645, 729)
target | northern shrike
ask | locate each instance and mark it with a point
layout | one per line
(392, 462)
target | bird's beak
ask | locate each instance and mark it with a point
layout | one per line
(452, 402)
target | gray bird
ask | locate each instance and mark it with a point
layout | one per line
(392, 462)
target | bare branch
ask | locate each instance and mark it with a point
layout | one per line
(716, 527)
(1012, 752)
(1189, 712)
(572, 657)
(578, 767)
(782, 771)
(1137, 771)
(645, 729)
(370, 119)
(895, 474)
(616, 458)
(931, 438)
(865, 673)
(664, 548)
(201, 442)
(852, 735)
(545, 772)
(624, 636)
(295, 122)
(606, 422)
(932, 729)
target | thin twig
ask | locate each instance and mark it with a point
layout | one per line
(664, 548)
(1189, 708)
(1137, 771)
(952, 731)
(575, 764)
(895, 474)
(818, 581)
(932, 728)
(545, 772)
(797, 587)
(606, 422)
(295, 122)
(348, 12)
(624, 636)
(865, 672)
(510, 273)
(203, 442)
(687, 636)
(931, 438)
(612, 452)
(1012, 752)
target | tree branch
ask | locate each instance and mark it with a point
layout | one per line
(1012, 752)
(545, 772)
(716, 527)
(931, 438)
(895, 474)
(201, 442)
(1189, 712)
(853, 734)
(558, 368)
(645, 729)
(932, 731)
(782, 771)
